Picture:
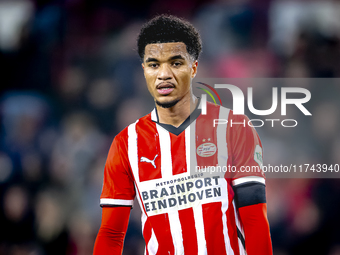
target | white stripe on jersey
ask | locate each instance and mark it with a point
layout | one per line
(199, 225)
(132, 150)
(143, 219)
(243, 180)
(154, 115)
(190, 145)
(176, 232)
(111, 201)
(133, 158)
(190, 133)
(166, 169)
(153, 244)
(224, 218)
(221, 132)
(165, 146)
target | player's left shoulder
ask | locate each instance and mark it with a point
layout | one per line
(226, 112)
(217, 110)
(237, 117)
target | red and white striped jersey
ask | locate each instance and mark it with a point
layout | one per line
(183, 210)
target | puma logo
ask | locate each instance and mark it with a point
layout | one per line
(152, 162)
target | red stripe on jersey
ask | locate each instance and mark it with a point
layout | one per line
(161, 227)
(231, 221)
(179, 164)
(242, 140)
(148, 151)
(205, 136)
(232, 229)
(212, 217)
(147, 234)
(187, 220)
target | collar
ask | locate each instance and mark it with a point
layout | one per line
(177, 130)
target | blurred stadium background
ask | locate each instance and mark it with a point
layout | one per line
(71, 80)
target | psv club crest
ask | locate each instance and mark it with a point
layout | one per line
(206, 149)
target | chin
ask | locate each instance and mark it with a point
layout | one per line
(167, 103)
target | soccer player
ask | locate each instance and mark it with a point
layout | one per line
(183, 212)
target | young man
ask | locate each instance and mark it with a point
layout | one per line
(153, 159)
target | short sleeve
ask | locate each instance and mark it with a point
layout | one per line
(118, 184)
(245, 151)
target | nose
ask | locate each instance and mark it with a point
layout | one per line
(164, 72)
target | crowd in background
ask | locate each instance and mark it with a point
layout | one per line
(71, 79)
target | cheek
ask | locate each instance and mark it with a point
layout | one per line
(149, 76)
(185, 77)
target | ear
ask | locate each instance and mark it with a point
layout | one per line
(194, 69)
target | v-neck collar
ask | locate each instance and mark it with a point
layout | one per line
(177, 130)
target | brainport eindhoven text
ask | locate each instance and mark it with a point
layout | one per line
(185, 192)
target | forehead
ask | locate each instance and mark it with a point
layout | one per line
(158, 50)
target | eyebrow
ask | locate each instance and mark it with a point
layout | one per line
(172, 58)
(151, 60)
(177, 57)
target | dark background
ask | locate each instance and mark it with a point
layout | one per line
(71, 79)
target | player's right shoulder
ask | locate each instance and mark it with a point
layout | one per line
(124, 134)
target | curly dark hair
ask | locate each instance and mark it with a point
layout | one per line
(168, 28)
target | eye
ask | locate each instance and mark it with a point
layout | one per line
(153, 65)
(177, 64)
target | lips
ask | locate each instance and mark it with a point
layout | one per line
(165, 88)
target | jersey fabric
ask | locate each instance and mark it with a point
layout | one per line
(183, 210)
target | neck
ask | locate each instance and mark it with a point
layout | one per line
(177, 114)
